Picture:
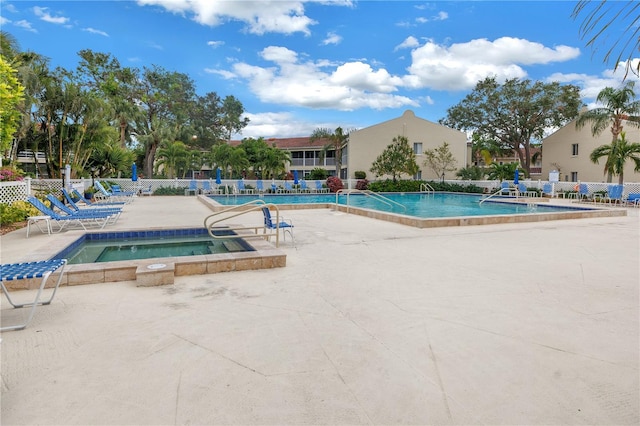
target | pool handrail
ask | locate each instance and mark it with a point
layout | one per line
(248, 207)
(498, 192)
(425, 187)
(369, 193)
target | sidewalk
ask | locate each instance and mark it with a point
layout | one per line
(370, 322)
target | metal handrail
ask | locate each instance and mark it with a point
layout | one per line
(369, 193)
(500, 191)
(249, 207)
(425, 187)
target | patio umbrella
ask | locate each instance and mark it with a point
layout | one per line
(295, 177)
(515, 177)
(218, 179)
(134, 172)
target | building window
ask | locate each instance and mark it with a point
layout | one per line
(418, 176)
(574, 176)
(574, 149)
(417, 148)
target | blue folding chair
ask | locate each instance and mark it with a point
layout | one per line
(28, 270)
(284, 224)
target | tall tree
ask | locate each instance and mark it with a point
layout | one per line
(11, 94)
(618, 106)
(396, 159)
(612, 20)
(165, 98)
(618, 154)
(102, 73)
(232, 121)
(515, 113)
(337, 140)
(440, 160)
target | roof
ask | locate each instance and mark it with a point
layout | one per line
(291, 143)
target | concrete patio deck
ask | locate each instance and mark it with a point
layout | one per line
(370, 322)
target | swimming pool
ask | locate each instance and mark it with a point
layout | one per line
(420, 205)
(118, 246)
(428, 210)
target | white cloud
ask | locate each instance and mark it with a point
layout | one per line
(332, 38)
(25, 25)
(592, 85)
(215, 44)
(460, 66)
(260, 16)
(351, 86)
(228, 75)
(409, 42)
(441, 16)
(94, 31)
(282, 125)
(43, 14)
(275, 124)
(4, 21)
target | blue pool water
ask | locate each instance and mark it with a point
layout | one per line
(132, 245)
(418, 205)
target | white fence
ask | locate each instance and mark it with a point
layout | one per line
(19, 190)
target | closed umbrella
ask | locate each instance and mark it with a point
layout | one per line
(515, 177)
(295, 177)
(134, 172)
(218, 179)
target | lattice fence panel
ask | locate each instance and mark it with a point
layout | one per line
(11, 192)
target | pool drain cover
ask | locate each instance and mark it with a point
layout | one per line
(157, 266)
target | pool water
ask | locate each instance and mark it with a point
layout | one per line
(116, 246)
(417, 205)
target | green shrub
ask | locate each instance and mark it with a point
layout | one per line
(318, 174)
(414, 186)
(16, 212)
(168, 190)
(359, 174)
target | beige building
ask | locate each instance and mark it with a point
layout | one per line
(567, 151)
(367, 144)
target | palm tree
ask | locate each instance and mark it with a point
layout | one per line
(617, 155)
(274, 162)
(613, 20)
(618, 105)
(172, 156)
(337, 140)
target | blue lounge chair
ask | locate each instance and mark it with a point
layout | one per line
(287, 187)
(524, 191)
(94, 203)
(116, 190)
(303, 186)
(28, 270)
(91, 208)
(319, 187)
(614, 194)
(632, 200)
(260, 186)
(547, 189)
(193, 187)
(206, 187)
(284, 224)
(83, 212)
(103, 194)
(242, 189)
(64, 221)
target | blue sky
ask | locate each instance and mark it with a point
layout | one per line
(300, 65)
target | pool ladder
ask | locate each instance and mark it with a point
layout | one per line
(369, 193)
(240, 210)
(425, 187)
